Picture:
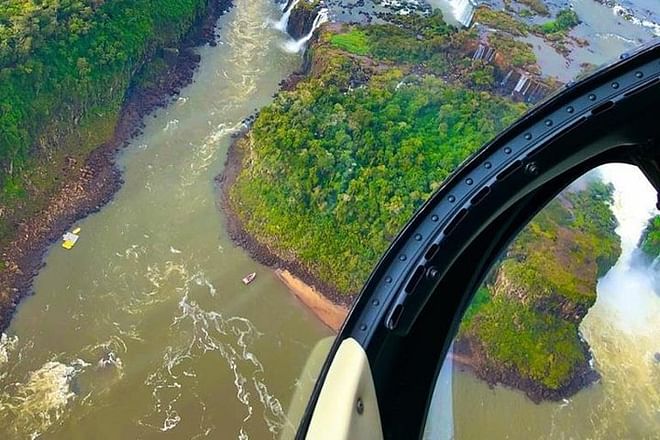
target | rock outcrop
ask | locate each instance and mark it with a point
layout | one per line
(302, 17)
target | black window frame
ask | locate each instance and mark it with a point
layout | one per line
(409, 310)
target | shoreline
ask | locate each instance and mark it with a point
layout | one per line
(299, 276)
(468, 356)
(331, 314)
(324, 301)
(327, 304)
(93, 184)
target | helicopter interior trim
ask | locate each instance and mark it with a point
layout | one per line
(410, 308)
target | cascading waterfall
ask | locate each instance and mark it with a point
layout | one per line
(485, 53)
(463, 11)
(283, 22)
(506, 78)
(522, 82)
(296, 46)
(629, 284)
(622, 327)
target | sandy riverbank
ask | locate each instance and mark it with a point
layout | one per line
(329, 313)
(330, 306)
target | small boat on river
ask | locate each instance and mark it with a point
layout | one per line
(247, 279)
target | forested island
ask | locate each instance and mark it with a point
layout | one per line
(76, 79)
(522, 326)
(335, 166)
(146, 327)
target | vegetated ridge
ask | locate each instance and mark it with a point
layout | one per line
(335, 166)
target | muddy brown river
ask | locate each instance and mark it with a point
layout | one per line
(145, 330)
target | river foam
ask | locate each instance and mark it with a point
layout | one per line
(202, 332)
(7, 345)
(153, 298)
(36, 404)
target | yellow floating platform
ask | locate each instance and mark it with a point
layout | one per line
(70, 239)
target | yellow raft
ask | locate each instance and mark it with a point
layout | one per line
(70, 239)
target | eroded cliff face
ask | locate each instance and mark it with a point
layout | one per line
(515, 82)
(524, 329)
(302, 17)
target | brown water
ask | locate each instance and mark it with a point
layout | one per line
(145, 330)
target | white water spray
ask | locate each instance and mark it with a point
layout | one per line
(463, 11)
(39, 402)
(283, 22)
(627, 14)
(629, 288)
(293, 46)
(622, 327)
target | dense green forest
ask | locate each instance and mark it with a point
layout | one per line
(529, 313)
(336, 167)
(65, 68)
(650, 242)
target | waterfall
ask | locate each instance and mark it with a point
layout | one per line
(293, 46)
(506, 78)
(485, 53)
(463, 11)
(490, 55)
(283, 22)
(521, 83)
(479, 54)
(622, 327)
(630, 291)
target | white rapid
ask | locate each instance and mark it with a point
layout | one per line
(629, 288)
(33, 406)
(623, 327)
(293, 46)
(629, 15)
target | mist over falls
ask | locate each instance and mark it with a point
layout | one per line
(305, 22)
(630, 288)
(622, 328)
